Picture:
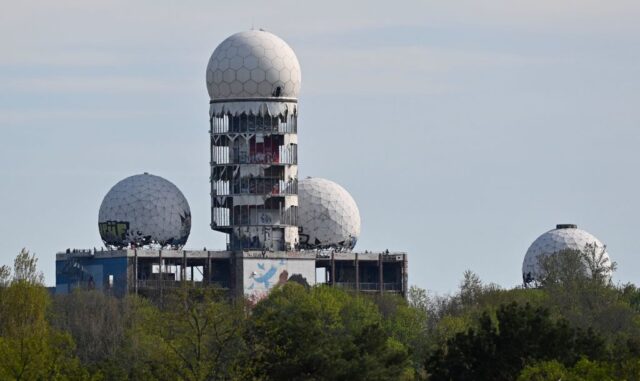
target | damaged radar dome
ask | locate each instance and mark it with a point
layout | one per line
(144, 210)
(328, 217)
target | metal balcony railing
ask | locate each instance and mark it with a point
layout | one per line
(371, 286)
(156, 284)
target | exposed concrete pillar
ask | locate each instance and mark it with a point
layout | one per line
(405, 275)
(380, 273)
(183, 270)
(207, 270)
(237, 274)
(333, 269)
(357, 264)
(135, 271)
(161, 279)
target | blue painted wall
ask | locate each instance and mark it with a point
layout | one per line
(92, 273)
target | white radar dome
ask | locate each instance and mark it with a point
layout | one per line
(143, 210)
(328, 217)
(564, 237)
(253, 64)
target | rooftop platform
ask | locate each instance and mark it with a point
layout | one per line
(223, 254)
(145, 270)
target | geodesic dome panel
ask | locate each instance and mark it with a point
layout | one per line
(564, 237)
(253, 64)
(142, 210)
(328, 217)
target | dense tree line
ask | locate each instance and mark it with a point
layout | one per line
(575, 325)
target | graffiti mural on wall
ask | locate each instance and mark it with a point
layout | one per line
(185, 228)
(260, 276)
(264, 277)
(114, 231)
(120, 233)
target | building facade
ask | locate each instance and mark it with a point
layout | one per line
(239, 273)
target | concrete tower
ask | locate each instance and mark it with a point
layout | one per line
(253, 79)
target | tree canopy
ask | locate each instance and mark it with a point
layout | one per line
(574, 326)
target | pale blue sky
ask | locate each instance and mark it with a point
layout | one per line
(463, 129)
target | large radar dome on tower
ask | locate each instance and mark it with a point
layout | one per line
(328, 216)
(253, 65)
(143, 210)
(564, 237)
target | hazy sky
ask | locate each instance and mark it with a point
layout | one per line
(463, 129)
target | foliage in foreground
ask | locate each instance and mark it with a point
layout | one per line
(30, 348)
(573, 328)
(519, 335)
